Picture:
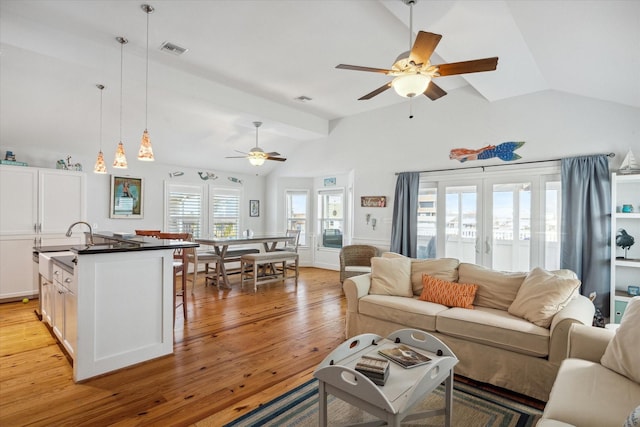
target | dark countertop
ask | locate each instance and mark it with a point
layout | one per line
(67, 262)
(119, 244)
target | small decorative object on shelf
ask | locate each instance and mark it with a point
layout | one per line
(624, 241)
(633, 290)
(629, 164)
(68, 166)
(10, 159)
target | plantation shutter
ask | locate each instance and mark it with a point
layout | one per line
(225, 207)
(184, 209)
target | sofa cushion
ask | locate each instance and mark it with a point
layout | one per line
(622, 353)
(541, 295)
(496, 289)
(440, 268)
(410, 312)
(447, 293)
(495, 328)
(391, 276)
(579, 392)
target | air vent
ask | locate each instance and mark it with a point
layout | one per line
(173, 48)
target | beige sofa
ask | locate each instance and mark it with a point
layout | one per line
(493, 346)
(588, 394)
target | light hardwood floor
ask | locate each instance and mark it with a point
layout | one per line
(237, 350)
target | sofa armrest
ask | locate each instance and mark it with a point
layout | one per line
(355, 288)
(579, 310)
(588, 342)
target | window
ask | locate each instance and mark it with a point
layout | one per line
(184, 209)
(331, 218)
(225, 212)
(296, 211)
(505, 221)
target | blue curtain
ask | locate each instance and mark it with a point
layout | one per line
(404, 230)
(586, 225)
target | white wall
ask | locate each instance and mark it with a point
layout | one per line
(377, 144)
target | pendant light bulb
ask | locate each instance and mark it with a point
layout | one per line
(100, 166)
(120, 162)
(146, 151)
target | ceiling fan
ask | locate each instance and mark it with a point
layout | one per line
(256, 155)
(413, 72)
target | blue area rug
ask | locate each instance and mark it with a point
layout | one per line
(471, 408)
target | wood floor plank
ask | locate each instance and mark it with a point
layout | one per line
(237, 350)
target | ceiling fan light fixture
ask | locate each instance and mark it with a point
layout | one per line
(256, 160)
(410, 85)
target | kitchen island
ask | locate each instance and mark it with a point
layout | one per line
(111, 304)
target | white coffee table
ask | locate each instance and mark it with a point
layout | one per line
(404, 388)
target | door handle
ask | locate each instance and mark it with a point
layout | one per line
(477, 245)
(487, 246)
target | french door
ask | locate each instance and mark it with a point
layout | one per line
(507, 222)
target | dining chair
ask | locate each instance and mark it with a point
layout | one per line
(207, 258)
(180, 263)
(152, 233)
(290, 246)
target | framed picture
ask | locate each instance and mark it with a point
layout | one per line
(254, 207)
(126, 197)
(373, 201)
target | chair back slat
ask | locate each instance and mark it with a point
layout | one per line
(152, 233)
(178, 253)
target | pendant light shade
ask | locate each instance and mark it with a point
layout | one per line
(120, 161)
(146, 151)
(100, 166)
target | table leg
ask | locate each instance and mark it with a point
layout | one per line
(322, 400)
(222, 252)
(448, 399)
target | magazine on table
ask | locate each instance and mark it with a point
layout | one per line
(404, 356)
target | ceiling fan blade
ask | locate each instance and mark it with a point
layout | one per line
(273, 153)
(464, 67)
(241, 152)
(359, 68)
(424, 46)
(375, 92)
(434, 91)
(277, 159)
(236, 157)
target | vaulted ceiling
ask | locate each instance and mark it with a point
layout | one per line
(252, 60)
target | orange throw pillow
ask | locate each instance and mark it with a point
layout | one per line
(447, 293)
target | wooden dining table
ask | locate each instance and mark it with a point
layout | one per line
(221, 246)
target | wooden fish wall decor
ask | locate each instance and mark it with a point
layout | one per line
(504, 151)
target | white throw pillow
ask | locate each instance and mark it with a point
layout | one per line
(391, 276)
(541, 295)
(623, 351)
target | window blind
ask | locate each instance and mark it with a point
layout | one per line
(184, 209)
(225, 209)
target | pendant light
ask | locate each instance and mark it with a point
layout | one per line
(146, 151)
(120, 161)
(100, 167)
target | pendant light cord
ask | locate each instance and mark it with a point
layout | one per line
(100, 139)
(121, 60)
(146, 94)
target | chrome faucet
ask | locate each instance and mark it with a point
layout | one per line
(90, 230)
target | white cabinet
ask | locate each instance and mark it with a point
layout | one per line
(65, 309)
(625, 267)
(38, 205)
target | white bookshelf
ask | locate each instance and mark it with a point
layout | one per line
(625, 190)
